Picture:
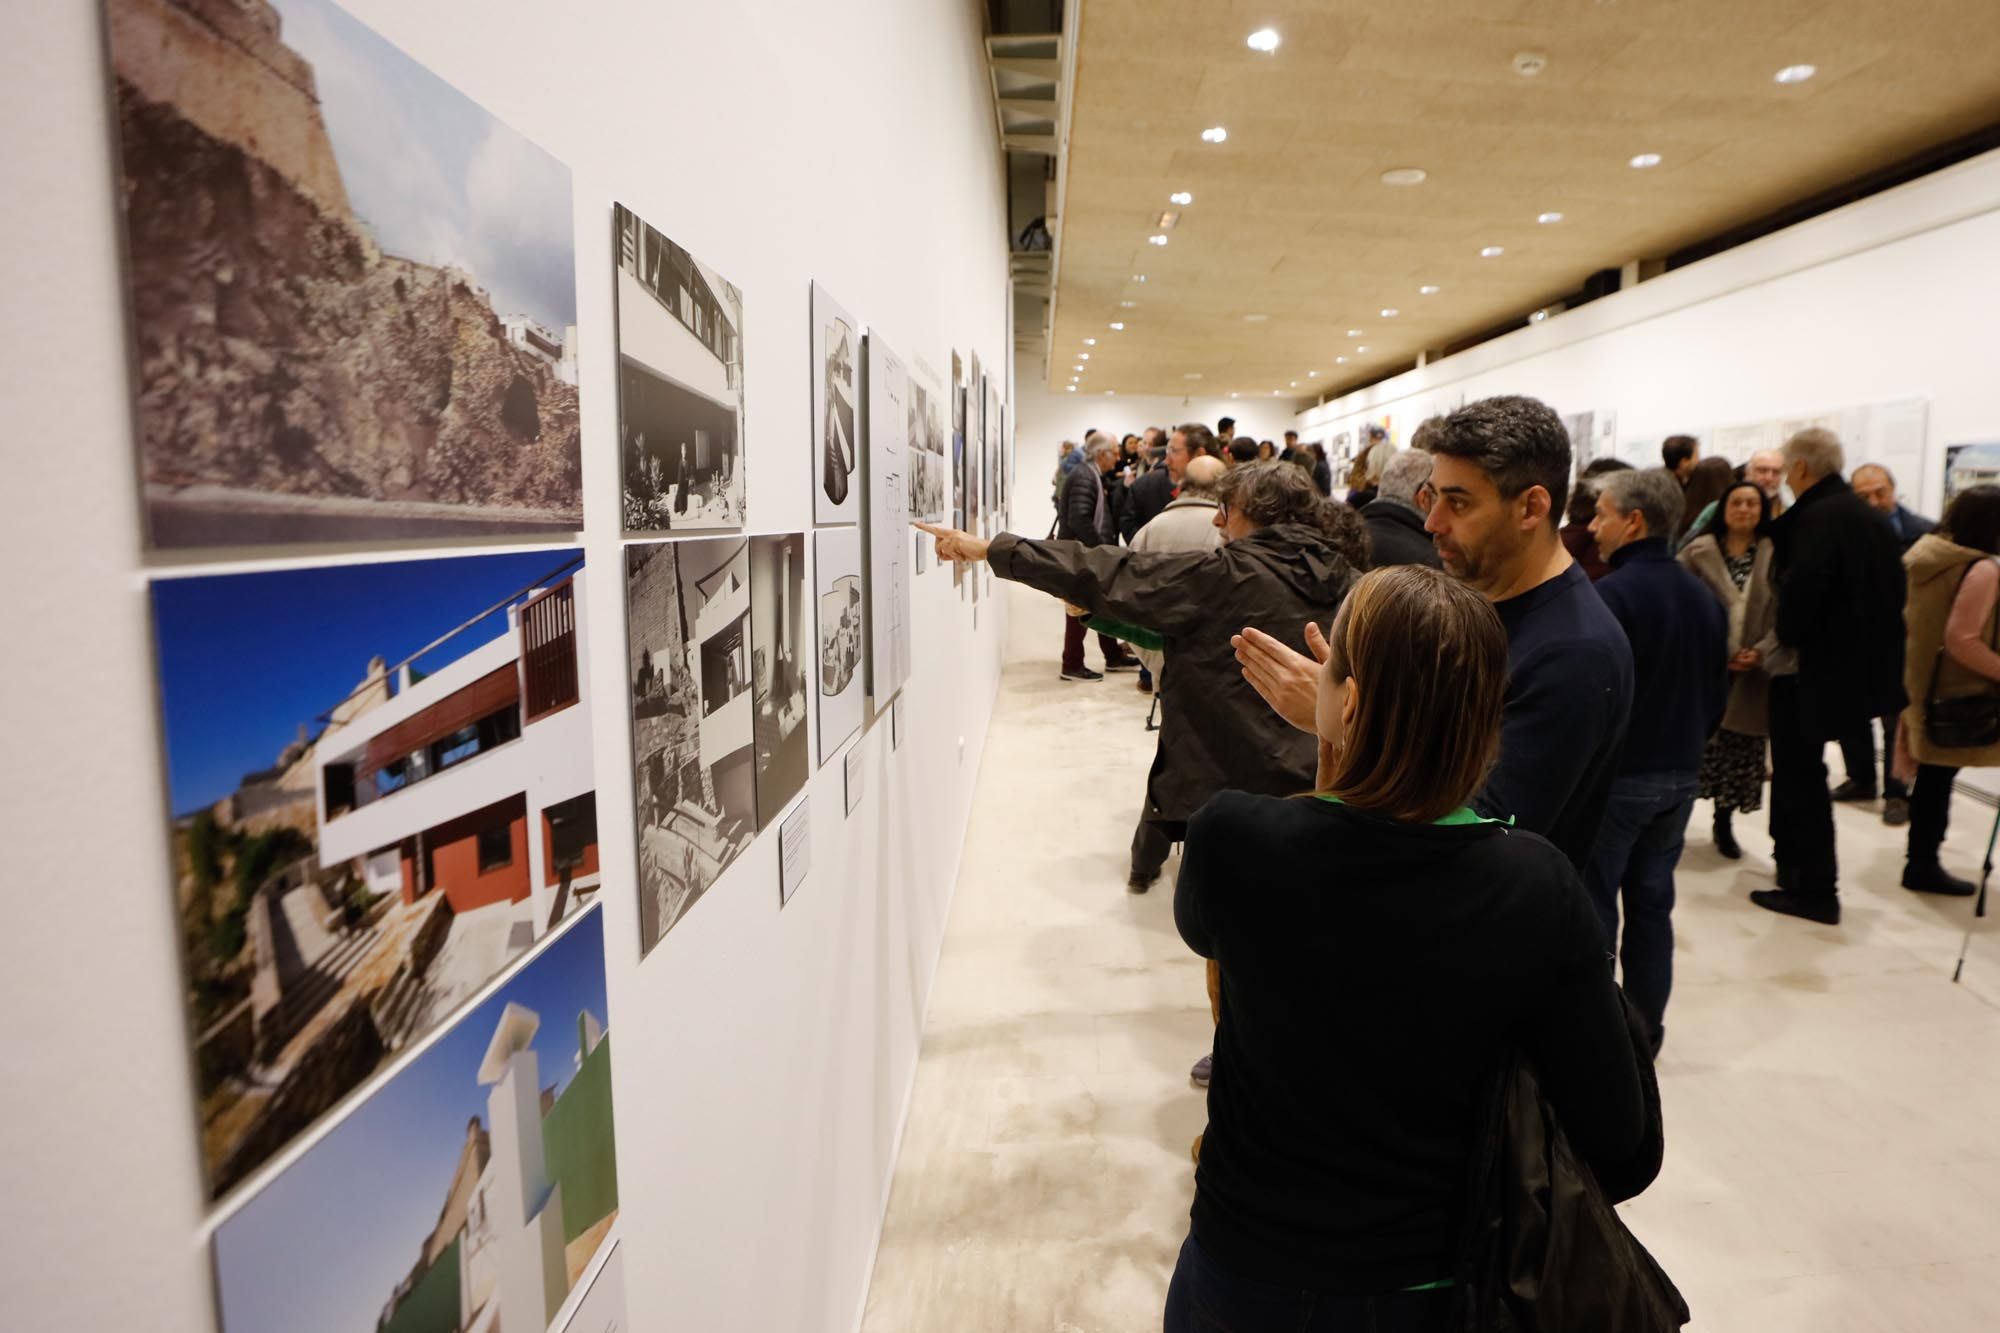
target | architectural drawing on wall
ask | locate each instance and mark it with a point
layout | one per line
(1966, 466)
(975, 442)
(469, 1193)
(376, 812)
(680, 384)
(603, 1309)
(990, 451)
(782, 665)
(843, 634)
(930, 456)
(353, 289)
(836, 400)
(957, 391)
(887, 521)
(693, 720)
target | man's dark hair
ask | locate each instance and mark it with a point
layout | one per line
(1291, 435)
(1517, 442)
(1271, 493)
(1677, 450)
(1227, 423)
(1583, 500)
(1974, 518)
(1243, 449)
(1200, 439)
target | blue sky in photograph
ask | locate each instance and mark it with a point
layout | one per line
(434, 175)
(246, 658)
(323, 1246)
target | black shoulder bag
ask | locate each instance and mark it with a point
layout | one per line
(1967, 722)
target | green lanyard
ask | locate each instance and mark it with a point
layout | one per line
(1465, 814)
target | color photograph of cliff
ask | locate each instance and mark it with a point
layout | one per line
(353, 289)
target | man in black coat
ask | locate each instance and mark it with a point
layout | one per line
(1877, 486)
(1152, 493)
(1840, 661)
(1396, 533)
(1088, 514)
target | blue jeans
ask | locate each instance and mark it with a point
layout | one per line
(1203, 1298)
(1638, 846)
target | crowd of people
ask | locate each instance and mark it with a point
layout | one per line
(1430, 750)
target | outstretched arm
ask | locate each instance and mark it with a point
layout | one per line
(1288, 681)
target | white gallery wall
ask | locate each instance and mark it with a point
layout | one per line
(764, 1057)
(1887, 299)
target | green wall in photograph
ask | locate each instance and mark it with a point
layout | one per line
(432, 1305)
(577, 1137)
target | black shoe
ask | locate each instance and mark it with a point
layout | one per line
(1725, 837)
(1822, 908)
(1931, 878)
(1145, 685)
(1851, 790)
(1126, 663)
(1896, 811)
(1082, 673)
(1138, 883)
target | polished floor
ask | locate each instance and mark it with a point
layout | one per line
(1832, 1099)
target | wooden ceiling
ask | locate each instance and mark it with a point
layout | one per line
(1290, 218)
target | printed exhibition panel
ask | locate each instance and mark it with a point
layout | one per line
(887, 521)
(842, 635)
(958, 439)
(782, 662)
(382, 795)
(694, 724)
(929, 457)
(353, 290)
(602, 1309)
(470, 1192)
(680, 385)
(836, 405)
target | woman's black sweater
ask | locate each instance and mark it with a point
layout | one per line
(1374, 974)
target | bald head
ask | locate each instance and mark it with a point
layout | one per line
(1767, 468)
(1201, 476)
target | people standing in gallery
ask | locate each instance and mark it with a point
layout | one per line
(1383, 948)
(1322, 470)
(1679, 639)
(1767, 469)
(1499, 477)
(1706, 482)
(1732, 557)
(1290, 452)
(1840, 618)
(1150, 494)
(1877, 487)
(1066, 458)
(1225, 430)
(1575, 533)
(1279, 566)
(1953, 581)
(1365, 477)
(1267, 454)
(1087, 518)
(1242, 450)
(1678, 454)
(1394, 519)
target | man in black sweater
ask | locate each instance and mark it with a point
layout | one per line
(1149, 496)
(1680, 643)
(1498, 486)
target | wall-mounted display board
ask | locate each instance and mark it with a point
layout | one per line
(1592, 435)
(887, 521)
(680, 385)
(930, 459)
(782, 665)
(990, 455)
(836, 407)
(1969, 465)
(353, 289)
(603, 1308)
(471, 1191)
(382, 794)
(958, 437)
(1892, 434)
(975, 443)
(843, 635)
(694, 782)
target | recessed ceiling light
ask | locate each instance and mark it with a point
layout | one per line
(1083, 356)
(1548, 219)
(1117, 327)
(1181, 197)
(1138, 277)
(1492, 252)
(1538, 316)
(1361, 349)
(1795, 73)
(1276, 392)
(1390, 312)
(1070, 387)
(1128, 305)
(1428, 289)
(1235, 395)
(1354, 333)
(1157, 239)
(1295, 384)
(1405, 176)
(1312, 374)
(1090, 342)
(1340, 360)
(1192, 375)
(1214, 134)
(1264, 39)
(1644, 160)
(1255, 319)
(1111, 393)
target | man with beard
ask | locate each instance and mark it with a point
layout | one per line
(1497, 490)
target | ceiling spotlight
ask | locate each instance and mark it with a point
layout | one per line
(1214, 134)
(1644, 160)
(1090, 342)
(1070, 387)
(1117, 327)
(1492, 252)
(1361, 349)
(1795, 73)
(1083, 356)
(1428, 289)
(1167, 219)
(1390, 312)
(1235, 395)
(1128, 305)
(1255, 319)
(1264, 39)
(1312, 374)
(1405, 176)
(1538, 316)
(1138, 277)
(1157, 238)
(1528, 64)
(1548, 219)
(1192, 375)
(1340, 360)
(1181, 197)
(1354, 333)
(1276, 392)
(1111, 393)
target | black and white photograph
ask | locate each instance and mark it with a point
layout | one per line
(990, 455)
(781, 665)
(836, 401)
(680, 385)
(975, 442)
(957, 391)
(843, 632)
(353, 289)
(886, 520)
(929, 457)
(693, 720)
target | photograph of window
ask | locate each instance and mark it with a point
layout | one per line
(836, 400)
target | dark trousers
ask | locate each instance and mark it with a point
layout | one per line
(1857, 751)
(1633, 860)
(1203, 1298)
(1073, 632)
(1801, 808)
(1930, 812)
(1151, 842)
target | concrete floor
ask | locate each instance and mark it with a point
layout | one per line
(1832, 1099)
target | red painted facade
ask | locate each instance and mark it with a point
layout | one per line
(453, 854)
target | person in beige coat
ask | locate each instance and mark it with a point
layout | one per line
(1954, 585)
(1732, 556)
(1186, 524)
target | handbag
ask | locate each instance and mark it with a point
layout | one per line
(1966, 722)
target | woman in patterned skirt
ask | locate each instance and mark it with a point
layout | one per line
(1731, 554)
